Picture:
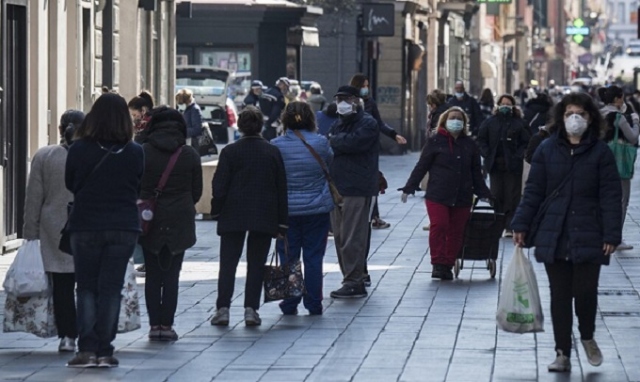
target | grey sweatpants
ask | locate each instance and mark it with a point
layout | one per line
(351, 236)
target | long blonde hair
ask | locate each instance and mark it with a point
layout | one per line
(442, 122)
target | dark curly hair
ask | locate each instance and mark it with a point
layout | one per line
(596, 127)
(298, 116)
(250, 121)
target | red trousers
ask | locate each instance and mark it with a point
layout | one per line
(446, 234)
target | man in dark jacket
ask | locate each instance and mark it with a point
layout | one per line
(354, 140)
(470, 106)
(271, 104)
(253, 98)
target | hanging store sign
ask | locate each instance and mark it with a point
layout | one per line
(378, 19)
(578, 30)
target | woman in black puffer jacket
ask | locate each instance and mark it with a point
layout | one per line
(581, 220)
(173, 228)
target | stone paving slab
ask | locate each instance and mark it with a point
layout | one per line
(410, 328)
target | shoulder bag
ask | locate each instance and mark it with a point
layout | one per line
(335, 194)
(530, 237)
(65, 239)
(147, 207)
(624, 152)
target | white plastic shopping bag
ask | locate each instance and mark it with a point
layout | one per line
(129, 319)
(519, 308)
(26, 276)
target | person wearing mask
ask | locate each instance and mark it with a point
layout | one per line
(139, 108)
(452, 159)
(317, 101)
(573, 193)
(192, 115)
(537, 112)
(616, 117)
(250, 203)
(173, 229)
(326, 118)
(103, 171)
(503, 139)
(355, 140)
(469, 104)
(272, 103)
(486, 103)
(45, 214)
(253, 98)
(361, 82)
(310, 201)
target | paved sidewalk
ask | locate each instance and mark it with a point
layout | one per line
(410, 328)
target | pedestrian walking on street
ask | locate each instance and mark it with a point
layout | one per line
(486, 103)
(317, 100)
(356, 147)
(249, 202)
(310, 201)
(326, 118)
(616, 118)
(272, 103)
(503, 139)
(173, 229)
(537, 112)
(192, 115)
(573, 198)
(463, 100)
(139, 108)
(452, 159)
(437, 102)
(45, 214)
(103, 171)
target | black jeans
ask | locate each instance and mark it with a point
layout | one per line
(161, 285)
(231, 244)
(64, 304)
(573, 283)
(100, 259)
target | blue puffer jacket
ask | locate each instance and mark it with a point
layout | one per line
(585, 214)
(193, 117)
(307, 186)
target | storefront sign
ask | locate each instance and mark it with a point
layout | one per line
(378, 19)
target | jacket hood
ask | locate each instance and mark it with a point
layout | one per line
(609, 109)
(166, 136)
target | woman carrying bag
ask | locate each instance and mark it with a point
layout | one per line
(173, 229)
(571, 213)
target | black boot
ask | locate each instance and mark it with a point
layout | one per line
(447, 273)
(437, 272)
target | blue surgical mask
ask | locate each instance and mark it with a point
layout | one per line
(454, 125)
(459, 95)
(364, 92)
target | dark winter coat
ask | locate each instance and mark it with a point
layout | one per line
(434, 116)
(537, 113)
(173, 223)
(272, 103)
(511, 134)
(371, 107)
(471, 107)
(355, 144)
(585, 214)
(534, 143)
(250, 188)
(193, 116)
(251, 100)
(454, 171)
(486, 108)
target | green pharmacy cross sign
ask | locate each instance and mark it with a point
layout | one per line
(578, 30)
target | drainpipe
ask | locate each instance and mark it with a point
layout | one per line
(79, 57)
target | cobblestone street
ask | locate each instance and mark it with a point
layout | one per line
(409, 328)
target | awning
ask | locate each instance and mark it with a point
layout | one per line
(489, 69)
(304, 36)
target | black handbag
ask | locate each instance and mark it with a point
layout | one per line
(65, 239)
(206, 143)
(283, 281)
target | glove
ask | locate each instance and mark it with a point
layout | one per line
(405, 193)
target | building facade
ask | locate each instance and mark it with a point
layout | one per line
(57, 55)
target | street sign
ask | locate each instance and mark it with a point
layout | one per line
(494, 1)
(378, 19)
(578, 30)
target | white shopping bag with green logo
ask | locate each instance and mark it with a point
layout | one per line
(519, 309)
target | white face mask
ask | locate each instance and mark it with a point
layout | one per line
(345, 108)
(623, 108)
(575, 125)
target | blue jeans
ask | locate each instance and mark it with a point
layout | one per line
(307, 234)
(100, 260)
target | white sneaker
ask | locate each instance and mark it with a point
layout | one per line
(67, 345)
(561, 364)
(591, 349)
(624, 247)
(251, 317)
